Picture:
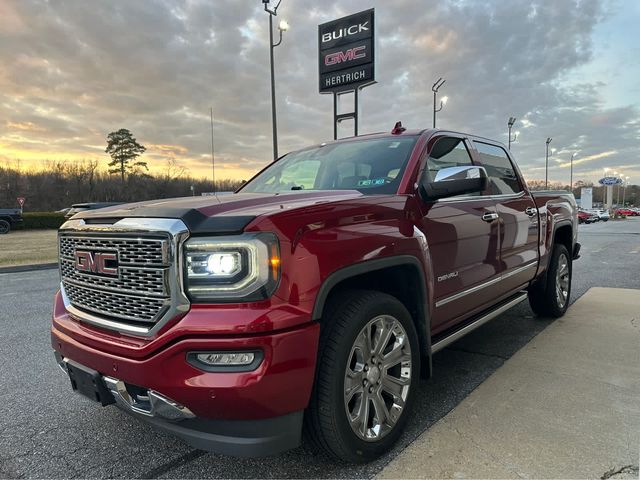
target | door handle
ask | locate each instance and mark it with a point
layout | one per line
(531, 211)
(490, 217)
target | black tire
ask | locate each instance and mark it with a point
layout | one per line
(342, 331)
(5, 227)
(545, 297)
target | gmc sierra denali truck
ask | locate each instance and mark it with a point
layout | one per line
(311, 300)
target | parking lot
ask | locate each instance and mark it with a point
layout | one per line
(47, 431)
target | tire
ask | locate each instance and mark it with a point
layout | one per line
(552, 298)
(5, 227)
(345, 360)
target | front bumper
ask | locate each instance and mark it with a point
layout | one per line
(248, 413)
(251, 438)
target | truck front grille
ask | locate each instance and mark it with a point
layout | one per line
(140, 287)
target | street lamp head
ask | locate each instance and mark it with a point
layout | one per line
(512, 120)
(549, 140)
(283, 26)
(444, 100)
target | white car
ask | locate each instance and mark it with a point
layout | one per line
(602, 215)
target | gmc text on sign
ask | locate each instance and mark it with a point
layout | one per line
(346, 52)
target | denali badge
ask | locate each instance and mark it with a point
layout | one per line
(447, 276)
(102, 263)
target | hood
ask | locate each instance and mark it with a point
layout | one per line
(224, 214)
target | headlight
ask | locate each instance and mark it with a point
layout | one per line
(235, 268)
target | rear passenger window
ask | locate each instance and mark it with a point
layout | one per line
(502, 177)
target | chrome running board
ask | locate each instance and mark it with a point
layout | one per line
(458, 334)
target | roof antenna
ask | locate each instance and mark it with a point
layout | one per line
(213, 158)
(398, 129)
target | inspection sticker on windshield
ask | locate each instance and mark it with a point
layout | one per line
(394, 145)
(371, 182)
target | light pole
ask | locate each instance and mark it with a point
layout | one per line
(436, 86)
(546, 165)
(605, 200)
(282, 27)
(571, 171)
(510, 123)
(624, 190)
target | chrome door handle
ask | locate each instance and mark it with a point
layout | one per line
(531, 211)
(490, 217)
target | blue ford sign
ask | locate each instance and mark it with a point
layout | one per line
(610, 181)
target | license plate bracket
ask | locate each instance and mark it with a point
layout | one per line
(88, 382)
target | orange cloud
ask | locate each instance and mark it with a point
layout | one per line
(25, 126)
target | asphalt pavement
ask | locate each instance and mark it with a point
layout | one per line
(47, 431)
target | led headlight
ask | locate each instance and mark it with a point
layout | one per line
(233, 268)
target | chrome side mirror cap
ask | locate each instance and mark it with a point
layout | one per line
(453, 181)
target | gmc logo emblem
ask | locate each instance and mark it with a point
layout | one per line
(346, 56)
(101, 263)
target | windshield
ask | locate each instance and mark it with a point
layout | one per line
(372, 166)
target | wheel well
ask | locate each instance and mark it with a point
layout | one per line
(564, 236)
(403, 282)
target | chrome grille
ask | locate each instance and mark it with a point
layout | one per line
(146, 281)
(133, 251)
(126, 307)
(141, 292)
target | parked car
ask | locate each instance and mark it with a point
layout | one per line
(81, 207)
(9, 218)
(313, 298)
(603, 215)
(586, 217)
(627, 212)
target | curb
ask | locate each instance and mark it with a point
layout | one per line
(29, 268)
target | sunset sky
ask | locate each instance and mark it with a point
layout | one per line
(71, 71)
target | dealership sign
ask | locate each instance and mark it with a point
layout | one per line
(610, 181)
(347, 52)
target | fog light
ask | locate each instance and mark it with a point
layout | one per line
(227, 358)
(226, 361)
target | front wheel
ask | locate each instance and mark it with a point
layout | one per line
(4, 227)
(551, 299)
(367, 376)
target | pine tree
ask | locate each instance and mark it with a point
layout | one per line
(124, 150)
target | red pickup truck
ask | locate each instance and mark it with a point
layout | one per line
(313, 299)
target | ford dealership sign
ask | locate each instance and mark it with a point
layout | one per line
(347, 48)
(610, 181)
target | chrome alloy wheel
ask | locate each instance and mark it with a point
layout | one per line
(377, 378)
(562, 281)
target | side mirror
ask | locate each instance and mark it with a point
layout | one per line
(453, 181)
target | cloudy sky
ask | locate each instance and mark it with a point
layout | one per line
(71, 71)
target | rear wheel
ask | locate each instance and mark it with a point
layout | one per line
(4, 227)
(368, 370)
(551, 299)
